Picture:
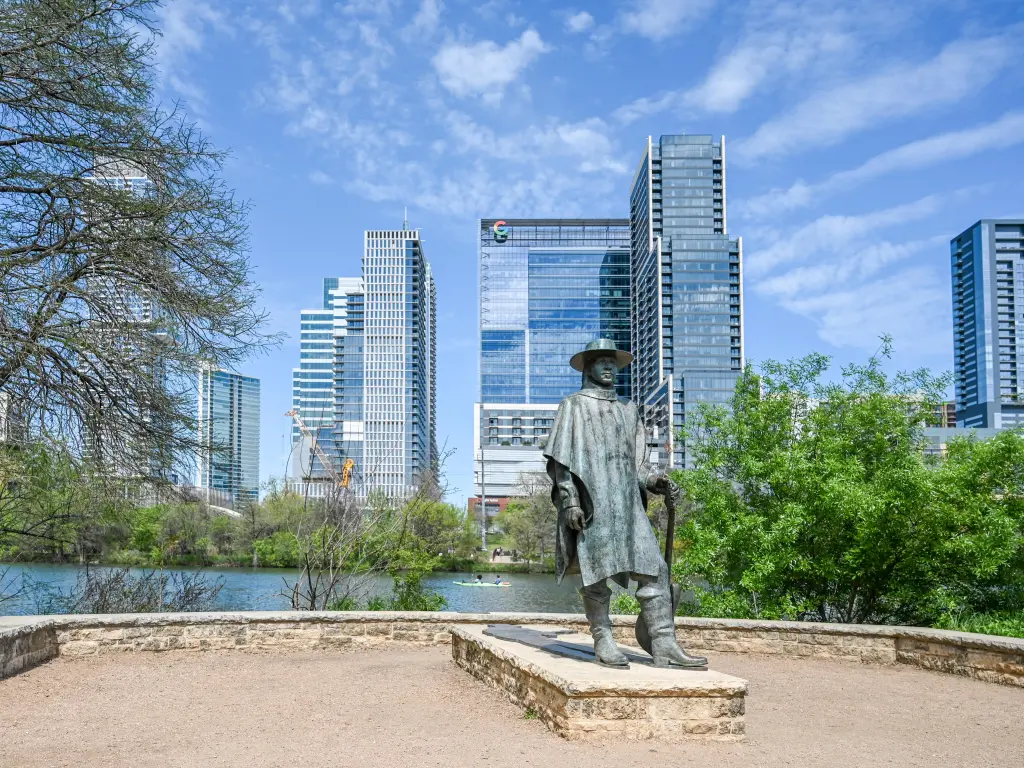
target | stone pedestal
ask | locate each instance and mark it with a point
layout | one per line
(583, 700)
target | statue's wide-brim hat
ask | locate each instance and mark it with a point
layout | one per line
(597, 348)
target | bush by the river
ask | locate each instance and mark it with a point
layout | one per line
(121, 590)
(815, 500)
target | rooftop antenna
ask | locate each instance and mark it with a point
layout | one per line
(405, 221)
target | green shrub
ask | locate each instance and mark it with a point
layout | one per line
(346, 603)
(1010, 624)
(280, 550)
(624, 603)
(814, 500)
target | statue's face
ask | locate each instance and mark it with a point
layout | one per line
(601, 370)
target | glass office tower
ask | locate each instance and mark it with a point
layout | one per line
(687, 287)
(547, 287)
(229, 432)
(366, 382)
(987, 263)
(313, 384)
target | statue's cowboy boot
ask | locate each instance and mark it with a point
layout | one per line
(656, 612)
(595, 603)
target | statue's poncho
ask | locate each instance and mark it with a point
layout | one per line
(601, 441)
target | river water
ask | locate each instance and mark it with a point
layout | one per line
(259, 589)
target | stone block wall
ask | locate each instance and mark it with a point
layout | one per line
(700, 713)
(25, 641)
(243, 632)
(793, 639)
(24, 647)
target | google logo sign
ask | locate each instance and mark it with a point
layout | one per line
(500, 232)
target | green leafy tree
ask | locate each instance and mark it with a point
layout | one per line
(530, 520)
(814, 500)
(435, 526)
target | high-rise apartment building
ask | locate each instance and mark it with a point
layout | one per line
(687, 287)
(366, 382)
(123, 444)
(547, 287)
(313, 382)
(987, 262)
(400, 350)
(229, 433)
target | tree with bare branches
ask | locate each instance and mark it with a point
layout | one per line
(123, 262)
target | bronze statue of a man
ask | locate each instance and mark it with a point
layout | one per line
(598, 464)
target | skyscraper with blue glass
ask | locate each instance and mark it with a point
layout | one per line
(547, 287)
(229, 433)
(987, 262)
(366, 383)
(687, 287)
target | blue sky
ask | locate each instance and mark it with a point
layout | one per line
(861, 136)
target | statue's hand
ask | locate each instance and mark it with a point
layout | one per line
(665, 486)
(574, 518)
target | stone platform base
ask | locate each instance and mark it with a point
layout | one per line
(582, 700)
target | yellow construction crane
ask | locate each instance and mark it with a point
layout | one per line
(342, 481)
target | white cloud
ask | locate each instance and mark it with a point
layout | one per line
(735, 76)
(1005, 132)
(784, 43)
(183, 27)
(579, 22)
(832, 233)
(486, 68)
(830, 115)
(865, 262)
(646, 106)
(842, 273)
(661, 19)
(586, 143)
(391, 138)
(294, 10)
(913, 305)
(424, 24)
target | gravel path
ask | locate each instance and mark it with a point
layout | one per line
(415, 708)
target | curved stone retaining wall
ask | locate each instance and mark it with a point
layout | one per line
(25, 641)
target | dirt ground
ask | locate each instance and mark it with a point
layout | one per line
(415, 708)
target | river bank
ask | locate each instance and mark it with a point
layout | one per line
(139, 560)
(265, 589)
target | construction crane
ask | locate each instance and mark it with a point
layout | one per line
(343, 480)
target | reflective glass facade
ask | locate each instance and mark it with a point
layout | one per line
(313, 380)
(229, 431)
(366, 381)
(686, 286)
(119, 445)
(987, 264)
(546, 289)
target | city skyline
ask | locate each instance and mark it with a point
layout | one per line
(365, 387)
(860, 141)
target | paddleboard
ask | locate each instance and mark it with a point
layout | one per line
(478, 584)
